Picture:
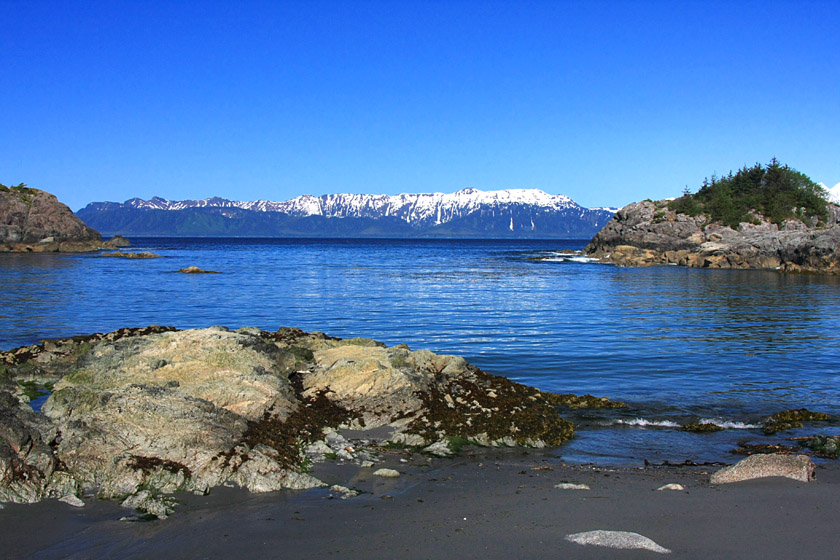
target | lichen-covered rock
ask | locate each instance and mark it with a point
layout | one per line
(140, 413)
(649, 233)
(797, 467)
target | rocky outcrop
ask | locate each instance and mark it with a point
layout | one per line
(649, 233)
(140, 413)
(33, 220)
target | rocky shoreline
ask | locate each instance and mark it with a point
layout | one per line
(650, 233)
(137, 414)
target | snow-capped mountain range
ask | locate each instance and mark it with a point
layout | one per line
(468, 213)
(417, 209)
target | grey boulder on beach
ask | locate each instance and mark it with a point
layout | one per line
(797, 467)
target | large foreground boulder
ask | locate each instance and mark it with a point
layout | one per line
(650, 233)
(138, 413)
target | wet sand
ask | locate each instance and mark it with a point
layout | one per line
(483, 504)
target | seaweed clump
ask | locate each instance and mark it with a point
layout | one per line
(701, 428)
(789, 419)
(149, 465)
(827, 447)
(763, 448)
(489, 410)
(303, 426)
(581, 401)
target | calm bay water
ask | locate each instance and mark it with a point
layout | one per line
(677, 344)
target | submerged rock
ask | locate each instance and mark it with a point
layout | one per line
(797, 467)
(790, 419)
(139, 255)
(701, 428)
(196, 270)
(827, 447)
(582, 401)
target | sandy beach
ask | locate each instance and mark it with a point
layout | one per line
(483, 504)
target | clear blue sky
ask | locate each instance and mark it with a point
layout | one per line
(607, 102)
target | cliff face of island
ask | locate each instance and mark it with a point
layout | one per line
(769, 217)
(649, 233)
(139, 413)
(32, 220)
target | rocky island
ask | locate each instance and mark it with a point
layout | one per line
(764, 217)
(136, 414)
(32, 220)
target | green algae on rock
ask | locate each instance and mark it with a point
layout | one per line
(701, 428)
(581, 401)
(790, 419)
(826, 447)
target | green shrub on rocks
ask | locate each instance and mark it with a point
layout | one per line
(776, 191)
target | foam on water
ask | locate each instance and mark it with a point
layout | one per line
(644, 423)
(729, 424)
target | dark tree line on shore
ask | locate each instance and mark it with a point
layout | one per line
(774, 191)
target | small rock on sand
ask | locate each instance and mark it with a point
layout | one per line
(571, 486)
(387, 473)
(797, 467)
(72, 500)
(439, 448)
(344, 491)
(617, 539)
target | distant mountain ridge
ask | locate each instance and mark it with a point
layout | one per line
(466, 213)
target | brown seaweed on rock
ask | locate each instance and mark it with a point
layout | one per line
(581, 401)
(789, 419)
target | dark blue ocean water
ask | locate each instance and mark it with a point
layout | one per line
(677, 344)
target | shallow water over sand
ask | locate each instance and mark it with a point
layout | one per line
(678, 345)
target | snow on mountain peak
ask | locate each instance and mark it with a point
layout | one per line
(418, 209)
(833, 193)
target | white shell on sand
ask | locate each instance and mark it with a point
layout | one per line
(616, 539)
(672, 487)
(571, 486)
(387, 473)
